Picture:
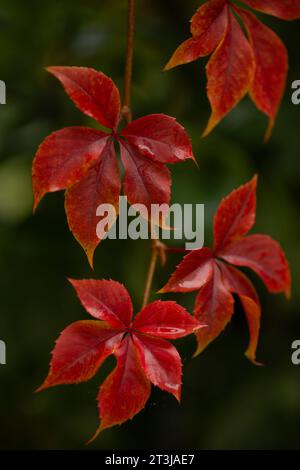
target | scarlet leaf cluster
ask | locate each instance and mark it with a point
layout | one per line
(83, 160)
(139, 345)
(211, 271)
(247, 56)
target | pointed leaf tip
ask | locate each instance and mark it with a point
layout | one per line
(235, 215)
(229, 73)
(93, 92)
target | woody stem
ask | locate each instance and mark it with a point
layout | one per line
(126, 110)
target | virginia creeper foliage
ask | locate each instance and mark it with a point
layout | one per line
(253, 60)
(83, 160)
(211, 271)
(247, 57)
(139, 345)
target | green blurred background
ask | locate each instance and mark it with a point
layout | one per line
(227, 403)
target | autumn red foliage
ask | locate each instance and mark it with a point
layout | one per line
(211, 271)
(143, 355)
(247, 57)
(253, 60)
(83, 160)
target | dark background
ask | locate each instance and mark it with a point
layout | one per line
(227, 403)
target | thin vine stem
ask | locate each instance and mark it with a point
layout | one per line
(126, 109)
(150, 274)
(158, 249)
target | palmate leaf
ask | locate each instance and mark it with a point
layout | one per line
(139, 345)
(253, 61)
(211, 273)
(83, 161)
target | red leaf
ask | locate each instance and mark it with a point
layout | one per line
(208, 27)
(142, 356)
(84, 160)
(161, 363)
(265, 256)
(64, 158)
(285, 9)
(235, 215)
(79, 352)
(253, 313)
(271, 66)
(160, 138)
(105, 300)
(214, 308)
(216, 280)
(146, 182)
(229, 73)
(94, 93)
(209, 18)
(101, 185)
(192, 273)
(125, 391)
(237, 282)
(237, 67)
(166, 320)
